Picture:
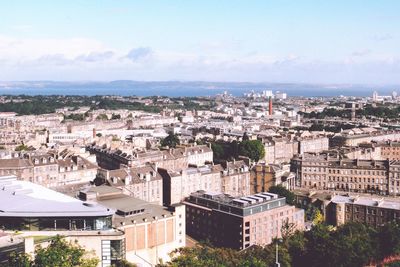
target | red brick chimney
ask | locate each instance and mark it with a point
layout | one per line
(270, 105)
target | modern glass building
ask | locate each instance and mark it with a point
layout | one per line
(30, 207)
(34, 210)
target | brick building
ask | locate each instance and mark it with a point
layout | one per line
(239, 223)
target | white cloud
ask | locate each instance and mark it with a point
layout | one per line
(22, 27)
(28, 49)
(361, 53)
(139, 53)
(382, 37)
(83, 59)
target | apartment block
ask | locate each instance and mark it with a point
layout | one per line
(363, 209)
(143, 183)
(322, 171)
(179, 185)
(354, 138)
(279, 150)
(239, 223)
(390, 150)
(49, 169)
(233, 179)
(174, 158)
(313, 144)
(263, 176)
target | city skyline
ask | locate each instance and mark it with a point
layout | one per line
(262, 41)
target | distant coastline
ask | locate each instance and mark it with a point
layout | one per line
(190, 89)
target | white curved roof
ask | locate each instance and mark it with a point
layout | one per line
(26, 199)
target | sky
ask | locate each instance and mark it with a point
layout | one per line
(318, 41)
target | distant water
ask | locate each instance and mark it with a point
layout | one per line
(176, 89)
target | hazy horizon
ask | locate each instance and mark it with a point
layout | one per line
(185, 88)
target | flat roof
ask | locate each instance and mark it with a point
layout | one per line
(368, 201)
(26, 199)
(127, 204)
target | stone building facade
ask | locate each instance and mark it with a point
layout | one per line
(174, 158)
(143, 183)
(372, 211)
(325, 172)
(263, 176)
(232, 178)
(49, 169)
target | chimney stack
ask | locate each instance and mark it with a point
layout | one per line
(270, 105)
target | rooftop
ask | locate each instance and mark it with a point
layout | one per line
(245, 201)
(32, 200)
(368, 201)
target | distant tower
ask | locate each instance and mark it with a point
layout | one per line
(394, 95)
(353, 112)
(375, 96)
(270, 106)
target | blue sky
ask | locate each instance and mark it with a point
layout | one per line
(260, 41)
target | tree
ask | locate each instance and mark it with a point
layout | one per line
(297, 245)
(352, 245)
(115, 116)
(253, 149)
(281, 191)
(245, 137)
(59, 253)
(172, 140)
(20, 260)
(317, 217)
(389, 239)
(205, 255)
(287, 229)
(63, 254)
(218, 151)
(102, 117)
(21, 147)
(75, 117)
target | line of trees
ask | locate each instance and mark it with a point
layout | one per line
(352, 244)
(387, 112)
